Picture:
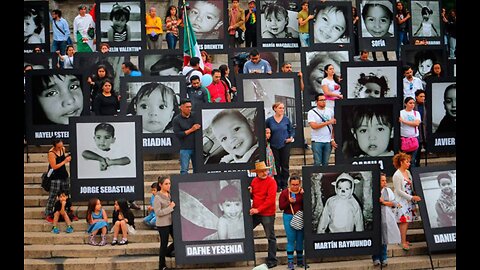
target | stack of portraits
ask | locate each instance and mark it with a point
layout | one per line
(438, 186)
(343, 216)
(36, 26)
(108, 160)
(121, 25)
(313, 62)
(442, 107)
(269, 89)
(426, 28)
(51, 98)
(156, 100)
(365, 132)
(377, 25)
(232, 136)
(213, 224)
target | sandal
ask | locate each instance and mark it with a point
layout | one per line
(405, 248)
(123, 242)
(114, 242)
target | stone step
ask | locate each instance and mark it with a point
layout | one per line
(158, 165)
(440, 261)
(143, 235)
(83, 250)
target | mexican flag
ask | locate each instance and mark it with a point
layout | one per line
(190, 45)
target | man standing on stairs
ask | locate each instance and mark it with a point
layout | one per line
(184, 127)
(263, 190)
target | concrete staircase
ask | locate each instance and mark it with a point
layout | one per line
(45, 250)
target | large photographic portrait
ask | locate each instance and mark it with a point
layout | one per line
(343, 211)
(377, 25)
(231, 137)
(209, 20)
(40, 60)
(279, 24)
(442, 115)
(370, 80)
(107, 159)
(331, 23)
(164, 64)
(313, 64)
(365, 132)
(422, 59)
(36, 26)
(426, 28)
(213, 224)
(437, 186)
(157, 101)
(238, 58)
(280, 87)
(52, 97)
(122, 25)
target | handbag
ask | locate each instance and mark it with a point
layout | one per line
(297, 220)
(46, 181)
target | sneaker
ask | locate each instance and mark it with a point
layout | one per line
(49, 219)
(376, 262)
(290, 266)
(133, 205)
(55, 230)
(384, 263)
(123, 242)
(69, 229)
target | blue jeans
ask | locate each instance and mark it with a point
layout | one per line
(268, 226)
(294, 237)
(382, 256)
(304, 39)
(402, 40)
(150, 220)
(185, 156)
(414, 155)
(321, 153)
(59, 45)
(171, 40)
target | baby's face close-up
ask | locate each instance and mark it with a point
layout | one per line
(156, 113)
(275, 24)
(119, 23)
(103, 139)
(28, 26)
(344, 189)
(425, 66)
(370, 90)
(232, 209)
(234, 134)
(204, 16)
(377, 21)
(450, 102)
(61, 98)
(373, 137)
(329, 26)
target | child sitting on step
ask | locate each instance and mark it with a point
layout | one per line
(62, 212)
(97, 220)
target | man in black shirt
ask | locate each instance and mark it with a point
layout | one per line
(184, 126)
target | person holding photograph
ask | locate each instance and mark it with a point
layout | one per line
(303, 22)
(331, 25)
(163, 207)
(104, 137)
(184, 126)
(153, 29)
(107, 102)
(230, 224)
(236, 135)
(282, 136)
(276, 23)
(263, 194)
(402, 19)
(389, 228)
(218, 89)
(426, 26)
(446, 205)
(314, 71)
(236, 20)
(256, 64)
(377, 17)
(197, 93)
(57, 158)
(291, 201)
(172, 22)
(96, 81)
(157, 104)
(33, 30)
(371, 86)
(371, 132)
(122, 220)
(321, 120)
(342, 212)
(331, 85)
(409, 122)
(206, 18)
(449, 121)
(59, 96)
(269, 158)
(403, 186)
(120, 30)
(251, 25)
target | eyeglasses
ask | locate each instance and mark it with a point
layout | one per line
(321, 100)
(411, 86)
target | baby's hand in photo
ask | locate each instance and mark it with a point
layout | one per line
(103, 165)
